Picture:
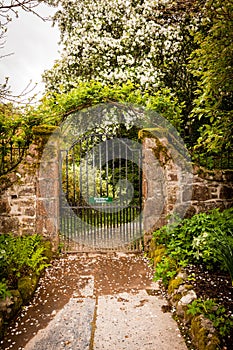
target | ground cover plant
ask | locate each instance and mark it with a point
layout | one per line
(19, 257)
(214, 312)
(206, 238)
(202, 246)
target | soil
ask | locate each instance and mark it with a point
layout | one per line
(212, 284)
(215, 285)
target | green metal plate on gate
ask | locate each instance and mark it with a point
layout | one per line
(100, 200)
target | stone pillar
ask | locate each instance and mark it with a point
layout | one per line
(47, 188)
(166, 176)
(153, 188)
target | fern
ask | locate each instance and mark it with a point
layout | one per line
(37, 261)
(20, 256)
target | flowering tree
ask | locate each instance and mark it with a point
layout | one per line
(145, 42)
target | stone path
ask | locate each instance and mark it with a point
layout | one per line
(114, 305)
(136, 322)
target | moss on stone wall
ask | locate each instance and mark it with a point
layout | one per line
(203, 334)
(152, 133)
(174, 284)
(44, 129)
(27, 286)
(158, 255)
(159, 150)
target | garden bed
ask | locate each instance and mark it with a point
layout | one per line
(193, 259)
(214, 285)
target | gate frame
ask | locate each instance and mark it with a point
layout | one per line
(135, 246)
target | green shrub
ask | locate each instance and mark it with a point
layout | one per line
(224, 251)
(204, 239)
(165, 270)
(20, 256)
(214, 312)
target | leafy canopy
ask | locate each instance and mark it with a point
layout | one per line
(56, 106)
(212, 64)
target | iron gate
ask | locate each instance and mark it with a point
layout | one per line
(100, 196)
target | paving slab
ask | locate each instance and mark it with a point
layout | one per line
(135, 321)
(121, 321)
(71, 328)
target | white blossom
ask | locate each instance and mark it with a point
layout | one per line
(114, 41)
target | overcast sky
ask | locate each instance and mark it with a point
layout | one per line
(34, 45)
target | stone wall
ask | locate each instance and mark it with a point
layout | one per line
(173, 186)
(18, 196)
(29, 195)
(210, 189)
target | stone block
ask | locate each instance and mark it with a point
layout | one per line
(27, 231)
(40, 224)
(197, 180)
(187, 194)
(182, 210)
(9, 224)
(47, 207)
(49, 170)
(152, 224)
(27, 202)
(201, 193)
(172, 177)
(27, 221)
(228, 175)
(51, 226)
(226, 192)
(228, 204)
(153, 207)
(29, 159)
(30, 211)
(188, 298)
(152, 169)
(191, 210)
(4, 206)
(49, 153)
(173, 194)
(214, 187)
(27, 191)
(156, 192)
(170, 208)
(16, 210)
(47, 188)
(210, 205)
(40, 208)
(218, 175)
